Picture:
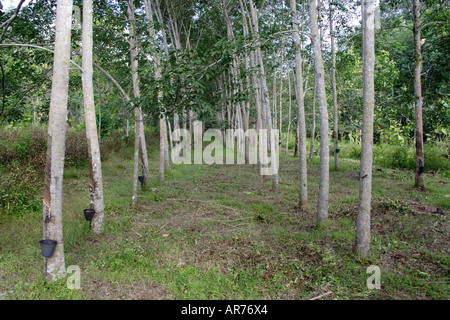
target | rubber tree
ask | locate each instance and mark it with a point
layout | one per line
(139, 121)
(418, 100)
(319, 75)
(256, 85)
(313, 126)
(362, 243)
(54, 266)
(239, 107)
(162, 120)
(300, 106)
(265, 99)
(333, 87)
(95, 164)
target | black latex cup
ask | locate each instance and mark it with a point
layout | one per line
(47, 247)
(89, 214)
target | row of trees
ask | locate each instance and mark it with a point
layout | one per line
(214, 61)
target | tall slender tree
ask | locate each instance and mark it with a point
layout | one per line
(300, 106)
(139, 121)
(362, 243)
(418, 100)
(319, 74)
(54, 267)
(162, 120)
(265, 99)
(333, 87)
(95, 164)
(313, 127)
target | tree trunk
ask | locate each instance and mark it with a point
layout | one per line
(322, 206)
(281, 111)
(134, 197)
(95, 164)
(265, 101)
(274, 100)
(255, 81)
(162, 120)
(418, 100)
(54, 267)
(289, 119)
(139, 121)
(333, 85)
(237, 84)
(362, 243)
(303, 190)
(313, 129)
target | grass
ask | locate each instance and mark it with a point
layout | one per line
(218, 232)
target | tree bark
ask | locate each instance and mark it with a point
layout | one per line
(362, 243)
(418, 100)
(54, 267)
(265, 100)
(313, 128)
(333, 86)
(162, 120)
(139, 121)
(289, 113)
(95, 164)
(322, 206)
(248, 28)
(303, 190)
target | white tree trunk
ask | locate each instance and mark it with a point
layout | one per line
(322, 206)
(333, 86)
(95, 164)
(162, 121)
(313, 129)
(303, 192)
(54, 267)
(265, 101)
(418, 100)
(289, 112)
(139, 120)
(362, 243)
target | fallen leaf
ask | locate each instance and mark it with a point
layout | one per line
(165, 235)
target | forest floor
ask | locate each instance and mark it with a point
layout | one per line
(219, 232)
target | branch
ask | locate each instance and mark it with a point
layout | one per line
(433, 22)
(24, 94)
(81, 69)
(36, 47)
(110, 77)
(114, 32)
(11, 19)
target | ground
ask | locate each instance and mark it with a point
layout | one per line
(219, 232)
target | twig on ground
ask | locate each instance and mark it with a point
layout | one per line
(228, 229)
(216, 220)
(202, 201)
(6, 293)
(136, 232)
(321, 296)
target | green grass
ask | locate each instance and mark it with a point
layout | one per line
(218, 232)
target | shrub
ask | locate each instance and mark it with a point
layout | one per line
(434, 159)
(22, 160)
(400, 156)
(18, 189)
